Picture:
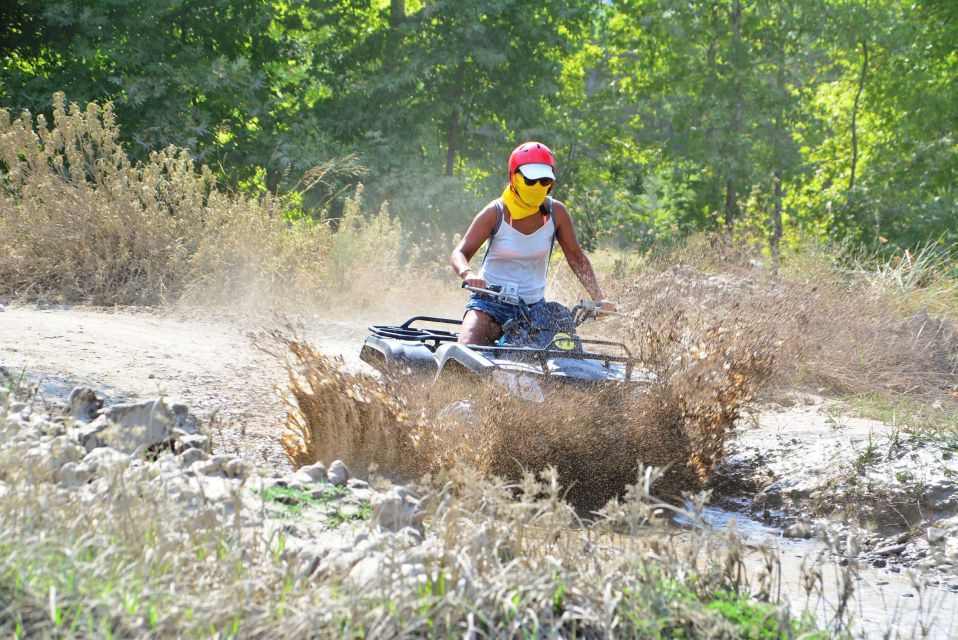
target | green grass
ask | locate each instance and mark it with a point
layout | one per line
(938, 424)
(760, 621)
(326, 497)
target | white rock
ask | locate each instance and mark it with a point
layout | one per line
(74, 474)
(368, 572)
(936, 534)
(190, 456)
(300, 478)
(88, 435)
(798, 530)
(191, 441)
(82, 404)
(144, 424)
(395, 509)
(338, 473)
(316, 471)
(236, 468)
(105, 460)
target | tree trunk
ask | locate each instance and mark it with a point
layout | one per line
(397, 13)
(452, 142)
(775, 240)
(778, 145)
(731, 204)
(858, 95)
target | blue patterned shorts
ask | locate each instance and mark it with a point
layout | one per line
(500, 311)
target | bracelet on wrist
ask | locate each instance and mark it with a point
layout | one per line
(464, 272)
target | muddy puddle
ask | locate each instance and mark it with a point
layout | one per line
(813, 576)
(51, 390)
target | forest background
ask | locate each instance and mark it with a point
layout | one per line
(822, 119)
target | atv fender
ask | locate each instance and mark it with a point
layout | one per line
(456, 357)
(393, 355)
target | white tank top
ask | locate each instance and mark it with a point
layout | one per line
(519, 259)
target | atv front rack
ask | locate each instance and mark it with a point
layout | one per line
(541, 356)
(432, 338)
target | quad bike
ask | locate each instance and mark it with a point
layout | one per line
(539, 353)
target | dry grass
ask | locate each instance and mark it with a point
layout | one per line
(832, 329)
(127, 557)
(80, 222)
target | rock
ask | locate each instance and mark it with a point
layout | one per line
(410, 536)
(368, 572)
(190, 441)
(304, 479)
(212, 466)
(798, 530)
(83, 404)
(145, 424)
(189, 456)
(105, 460)
(936, 535)
(315, 471)
(45, 458)
(88, 435)
(395, 509)
(236, 468)
(338, 473)
(2, 308)
(891, 550)
(356, 483)
(74, 474)
(880, 563)
(184, 419)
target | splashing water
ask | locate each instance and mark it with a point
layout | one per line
(596, 437)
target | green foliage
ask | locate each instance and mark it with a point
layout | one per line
(325, 497)
(758, 621)
(783, 119)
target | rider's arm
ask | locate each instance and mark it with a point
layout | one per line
(478, 232)
(574, 255)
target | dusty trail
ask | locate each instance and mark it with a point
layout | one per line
(206, 361)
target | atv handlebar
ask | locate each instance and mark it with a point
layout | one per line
(496, 292)
(585, 310)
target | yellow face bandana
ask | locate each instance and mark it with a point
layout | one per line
(523, 200)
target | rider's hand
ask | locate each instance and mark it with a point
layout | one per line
(606, 305)
(472, 279)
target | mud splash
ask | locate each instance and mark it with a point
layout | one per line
(595, 438)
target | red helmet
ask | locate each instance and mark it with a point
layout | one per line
(532, 153)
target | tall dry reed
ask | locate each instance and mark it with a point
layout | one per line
(80, 222)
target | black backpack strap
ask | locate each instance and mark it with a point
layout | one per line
(500, 214)
(546, 208)
(495, 229)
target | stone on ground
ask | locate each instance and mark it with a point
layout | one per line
(338, 473)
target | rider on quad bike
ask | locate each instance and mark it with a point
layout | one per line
(517, 256)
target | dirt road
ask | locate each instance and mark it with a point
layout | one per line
(208, 362)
